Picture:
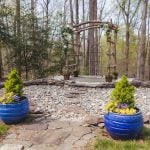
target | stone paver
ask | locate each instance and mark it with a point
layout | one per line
(54, 135)
(12, 147)
(26, 144)
(37, 127)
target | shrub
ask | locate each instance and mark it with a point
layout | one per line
(14, 83)
(122, 98)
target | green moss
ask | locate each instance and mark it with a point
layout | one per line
(14, 83)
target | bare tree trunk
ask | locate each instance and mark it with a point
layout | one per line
(147, 57)
(64, 16)
(96, 42)
(33, 21)
(141, 51)
(1, 64)
(18, 35)
(149, 61)
(84, 49)
(92, 39)
(78, 33)
(129, 13)
(47, 19)
(127, 49)
(71, 17)
(148, 45)
(46, 24)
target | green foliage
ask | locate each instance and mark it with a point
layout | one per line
(7, 98)
(14, 83)
(66, 33)
(122, 98)
(124, 92)
(57, 58)
(3, 129)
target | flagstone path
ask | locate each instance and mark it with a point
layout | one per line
(50, 135)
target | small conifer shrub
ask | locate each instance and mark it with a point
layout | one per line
(13, 88)
(14, 83)
(122, 98)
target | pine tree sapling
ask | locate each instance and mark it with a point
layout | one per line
(14, 83)
(122, 98)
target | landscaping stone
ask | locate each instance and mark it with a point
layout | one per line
(81, 131)
(30, 149)
(42, 147)
(52, 137)
(11, 136)
(101, 125)
(12, 147)
(70, 96)
(74, 108)
(60, 138)
(37, 127)
(66, 146)
(26, 144)
(26, 135)
(93, 120)
(35, 110)
(146, 118)
(53, 125)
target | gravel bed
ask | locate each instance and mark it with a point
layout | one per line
(65, 102)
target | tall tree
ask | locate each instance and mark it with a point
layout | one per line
(46, 4)
(148, 43)
(83, 19)
(92, 39)
(142, 43)
(77, 34)
(18, 36)
(72, 21)
(129, 10)
(33, 21)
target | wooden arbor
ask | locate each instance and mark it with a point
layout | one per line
(111, 32)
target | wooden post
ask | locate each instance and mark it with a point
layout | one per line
(71, 18)
(115, 57)
(109, 58)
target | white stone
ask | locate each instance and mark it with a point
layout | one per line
(12, 147)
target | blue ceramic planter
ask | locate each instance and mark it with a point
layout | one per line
(123, 127)
(14, 112)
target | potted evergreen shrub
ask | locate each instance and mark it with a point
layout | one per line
(123, 119)
(14, 107)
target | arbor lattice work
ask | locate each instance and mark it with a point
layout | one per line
(111, 32)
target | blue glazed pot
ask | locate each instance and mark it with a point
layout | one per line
(14, 112)
(123, 127)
